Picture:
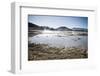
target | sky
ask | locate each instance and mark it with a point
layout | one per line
(58, 21)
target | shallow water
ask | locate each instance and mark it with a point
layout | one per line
(60, 40)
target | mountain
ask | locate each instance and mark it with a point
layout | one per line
(34, 26)
(63, 28)
(80, 29)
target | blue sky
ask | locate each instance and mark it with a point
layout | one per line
(58, 21)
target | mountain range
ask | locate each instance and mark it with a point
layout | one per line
(62, 28)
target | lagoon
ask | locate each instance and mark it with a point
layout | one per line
(60, 39)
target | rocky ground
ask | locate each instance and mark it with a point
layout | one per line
(44, 52)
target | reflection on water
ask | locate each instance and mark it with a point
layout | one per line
(57, 39)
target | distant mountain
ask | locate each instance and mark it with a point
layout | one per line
(33, 26)
(63, 28)
(79, 29)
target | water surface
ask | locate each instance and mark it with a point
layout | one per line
(54, 39)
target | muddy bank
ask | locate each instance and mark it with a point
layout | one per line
(44, 52)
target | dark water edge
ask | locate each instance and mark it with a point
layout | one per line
(44, 52)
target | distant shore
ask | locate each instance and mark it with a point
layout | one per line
(44, 52)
